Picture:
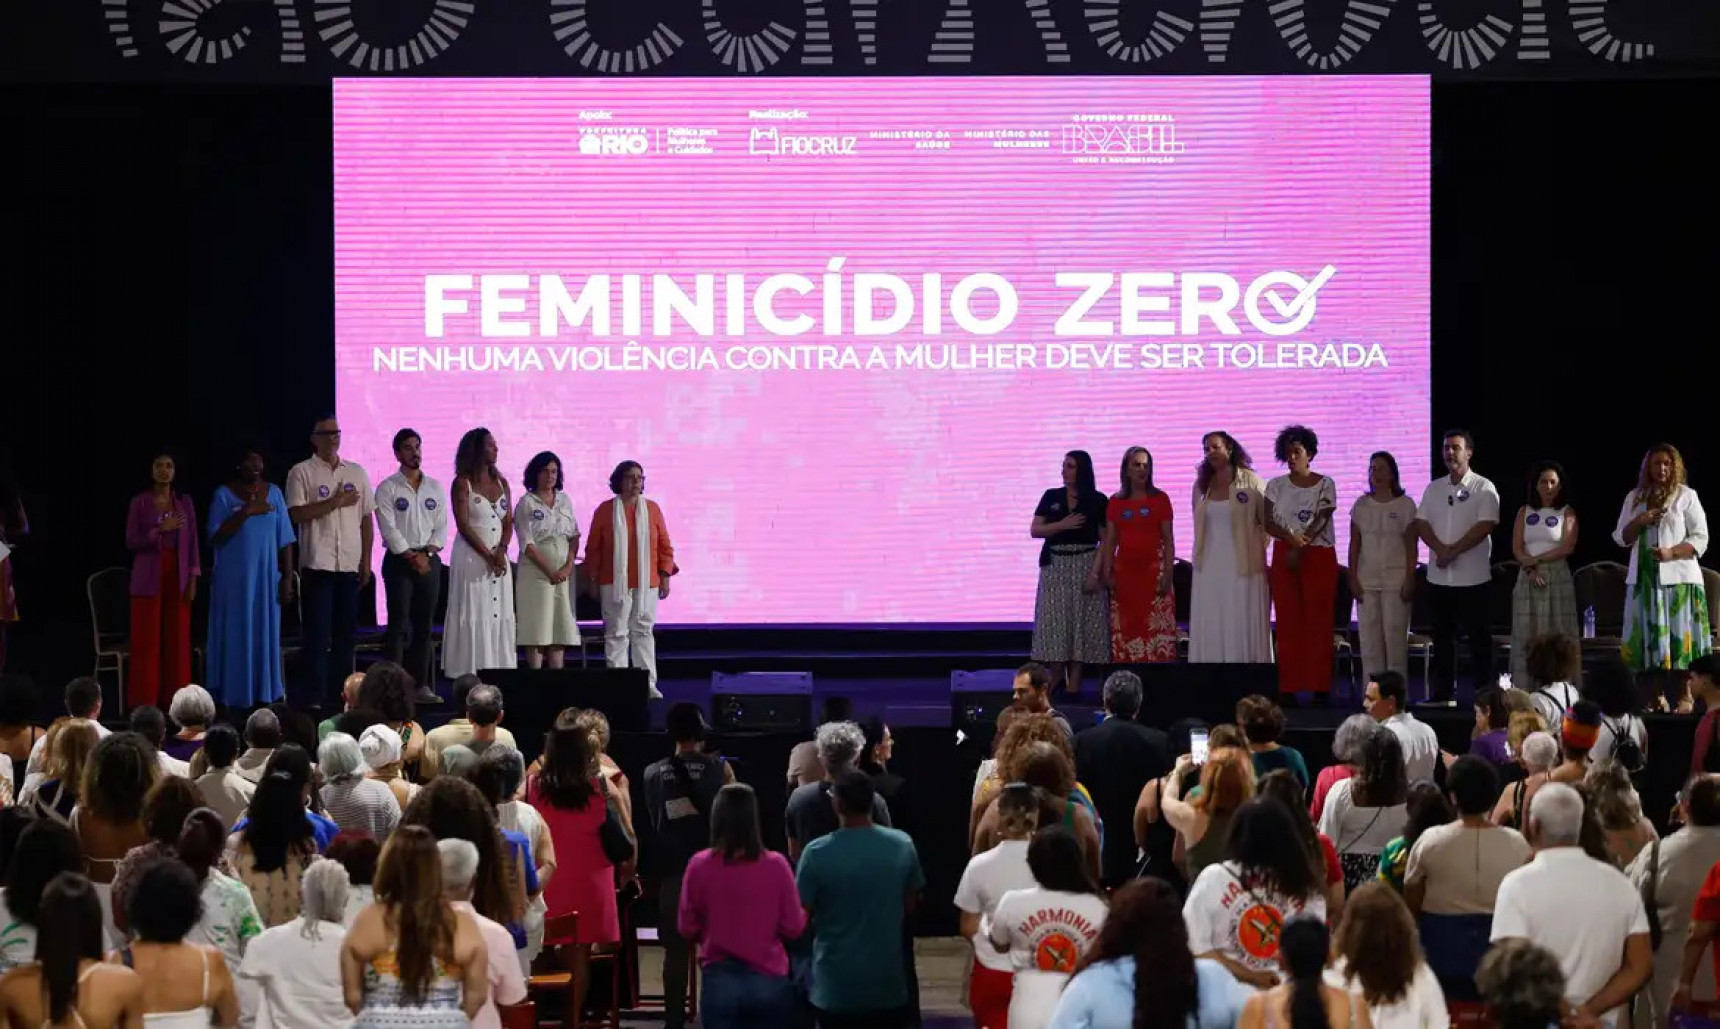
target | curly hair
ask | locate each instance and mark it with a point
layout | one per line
(389, 691)
(1554, 657)
(1380, 775)
(166, 807)
(1523, 725)
(1612, 795)
(1262, 720)
(1291, 435)
(453, 809)
(469, 455)
(1238, 459)
(121, 772)
(1146, 923)
(1045, 767)
(1025, 730)
(1522, 983)
(1378, 942)
(1650, 493)
(534, 468)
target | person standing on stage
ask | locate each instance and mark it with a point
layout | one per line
(252, 540)
(330, 501)
(1299, 510)
(1229, 618)
(1382, 566)
(1666, 530)
(478, 630)
(161, 533)
(1069, 623)
(412, 516)
(1456, 519)
(631, 561)
(1544, 600)
(1134, 561)
(549, 544)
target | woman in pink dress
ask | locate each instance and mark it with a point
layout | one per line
(571, 797)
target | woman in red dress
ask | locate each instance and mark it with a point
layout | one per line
(161, 532)
(1136, 555)
(574, 804)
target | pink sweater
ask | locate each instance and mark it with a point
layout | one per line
(741, 911)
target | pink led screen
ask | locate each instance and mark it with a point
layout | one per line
(850, 326)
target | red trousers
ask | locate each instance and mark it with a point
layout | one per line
(988, 996)
(160, 641)
(1304, 600)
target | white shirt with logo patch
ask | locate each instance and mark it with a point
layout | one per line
(412, 519)
(1451, 510)
(1048, 932)
(1241, 918)
(1295, 507)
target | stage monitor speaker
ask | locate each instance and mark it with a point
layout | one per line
(977, 698)
(762, 702)
(532, 697)
(1209, 692)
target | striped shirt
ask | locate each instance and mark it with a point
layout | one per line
(361, 805)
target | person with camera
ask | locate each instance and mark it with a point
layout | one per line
(680, 791)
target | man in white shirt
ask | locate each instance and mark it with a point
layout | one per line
(507, 983)
(83, 700)
(1582, 911)
(1386, 698)
(412, 516)
(1456, 519)
(329, 501)
(1678, 865)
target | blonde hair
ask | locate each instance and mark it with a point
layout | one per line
(1523, 724)
(69, 745)
(1652, 494)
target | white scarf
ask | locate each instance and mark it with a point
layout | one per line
(641, 542)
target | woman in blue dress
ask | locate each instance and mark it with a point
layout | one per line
(252, 540)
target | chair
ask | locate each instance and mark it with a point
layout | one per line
(1343, 619)
(518, 1016)
(1421, 630)
(654, 938)
(558, 933)
(1601, 586)
(109, 592)
(1500, 604)
(1182, 589)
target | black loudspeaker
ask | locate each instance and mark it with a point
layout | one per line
(976, 699)
(762, 702)
(532, 697)
(1208, 692)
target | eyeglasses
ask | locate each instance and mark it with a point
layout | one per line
(326, 432)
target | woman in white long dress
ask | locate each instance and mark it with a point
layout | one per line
(1228, 620)
(478, 631)
(549, 542)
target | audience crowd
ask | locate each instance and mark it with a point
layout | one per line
(366, 873)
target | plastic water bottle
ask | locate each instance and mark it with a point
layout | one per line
(1589, 622)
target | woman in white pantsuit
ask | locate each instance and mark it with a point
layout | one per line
(1229, 620)
(478, 630)
(549, 542)
(630, 560)
(1382, 566)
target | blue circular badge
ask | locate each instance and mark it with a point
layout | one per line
(349, 488)
(1128, 513)
(322, 492)
(1552, 521)
(1535, 519)
(429, 503)
(537, 516)
(1242, 496)
(1145, 510)
(401, 503)
(1304, 516)
(1462, 495)
(1056, 507)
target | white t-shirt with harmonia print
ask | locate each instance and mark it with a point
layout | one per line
(1241, 917)
(17, 940)
(1048, 932)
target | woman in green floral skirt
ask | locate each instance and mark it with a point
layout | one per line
(1666, 530)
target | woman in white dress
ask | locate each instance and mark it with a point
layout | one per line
(549, 542)
(478, 630)
(1228, 620)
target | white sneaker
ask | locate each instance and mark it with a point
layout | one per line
(655, 694)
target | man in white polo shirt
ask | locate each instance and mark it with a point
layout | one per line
(329, 501)
(1584, 912)
(1456, 520)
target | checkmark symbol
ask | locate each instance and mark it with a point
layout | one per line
(1303, 298)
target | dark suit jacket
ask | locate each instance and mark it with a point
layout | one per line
(1114, 759)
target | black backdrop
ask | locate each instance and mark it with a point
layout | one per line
(170, 256)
